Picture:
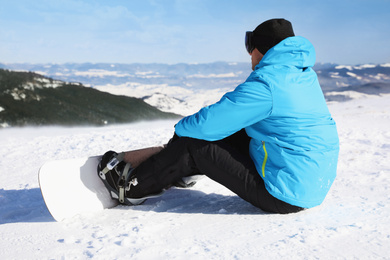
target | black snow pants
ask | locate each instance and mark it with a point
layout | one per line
(226, 161)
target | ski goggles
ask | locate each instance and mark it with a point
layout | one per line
(249, 42)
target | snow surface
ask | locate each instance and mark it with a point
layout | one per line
(206, 221)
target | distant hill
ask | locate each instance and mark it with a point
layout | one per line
(27, 98)
(335, 77)
(353, 92)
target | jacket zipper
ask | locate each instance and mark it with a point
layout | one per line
(265, 159)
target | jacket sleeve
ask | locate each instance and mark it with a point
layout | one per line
(249, 103)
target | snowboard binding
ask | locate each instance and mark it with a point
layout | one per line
(117, 176)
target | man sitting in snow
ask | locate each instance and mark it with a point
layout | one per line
(272, 140)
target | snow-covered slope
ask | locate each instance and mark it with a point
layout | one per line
(206, 221)
(173, 99)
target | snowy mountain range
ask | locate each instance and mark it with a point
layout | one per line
(185, 88)
(198, 76)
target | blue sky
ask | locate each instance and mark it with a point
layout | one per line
(191, 31)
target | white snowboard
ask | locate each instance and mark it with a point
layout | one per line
(71, 187)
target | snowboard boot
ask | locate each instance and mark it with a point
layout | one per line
(117, 176)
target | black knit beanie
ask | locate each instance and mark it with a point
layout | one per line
(270, 33)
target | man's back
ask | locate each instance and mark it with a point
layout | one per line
(299, 134)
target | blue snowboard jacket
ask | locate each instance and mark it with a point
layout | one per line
(294, 142)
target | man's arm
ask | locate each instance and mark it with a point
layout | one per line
(249, 103)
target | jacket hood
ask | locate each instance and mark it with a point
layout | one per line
(293, 51)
